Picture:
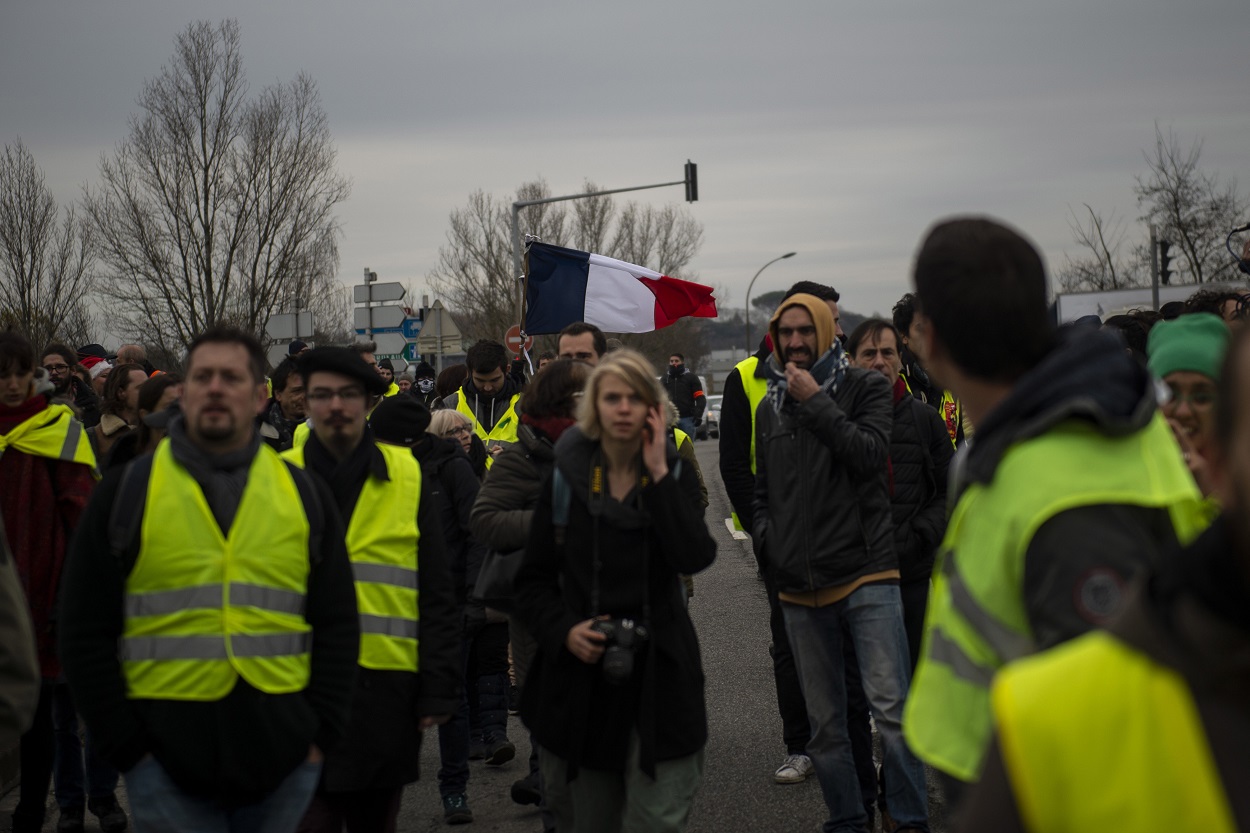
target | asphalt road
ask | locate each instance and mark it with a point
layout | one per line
(744, 746)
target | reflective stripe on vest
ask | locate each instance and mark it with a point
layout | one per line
(1098, 736)
(203, 609)
(977, 620)
(54, 433)
(504, 429)
(755, 390)
(382, 539)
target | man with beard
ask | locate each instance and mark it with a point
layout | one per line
(59, 361)
(1073, 485)
(208, 621)
(1144, 726)
(488, 397)
(409, 676)
(287, 409)
(685, 391)
(823, 530)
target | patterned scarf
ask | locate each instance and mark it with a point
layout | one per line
(827, 371)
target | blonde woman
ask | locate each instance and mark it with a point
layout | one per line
(615, 697)
(452, 425)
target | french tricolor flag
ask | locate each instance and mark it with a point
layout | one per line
(565, 285)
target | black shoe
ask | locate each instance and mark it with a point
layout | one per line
(499, 752)
(525, 791)
(25, 821)
(111, 815)
(456, 809)
(71, 819)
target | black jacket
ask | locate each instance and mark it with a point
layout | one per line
(382, 744)
(237, 749)
(85, 400)
(736, 426)
(566, 703)
(686, 393)
(1088, 377)
(822, 503)
(920, 456)
(454, 489)
(505, 505)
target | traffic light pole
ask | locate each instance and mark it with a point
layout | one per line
(692, 195)
(1154, 268)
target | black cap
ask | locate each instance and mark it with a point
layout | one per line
(296, 347)
(95, 350)
(344, 361)
(424, 370)
(400, 420)
(387, 364)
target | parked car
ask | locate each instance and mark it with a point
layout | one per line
(710, 427)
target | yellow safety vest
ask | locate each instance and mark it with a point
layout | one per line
(504, 430)
(202, 608)
(391, 391)
(1098, 736)
(977, 621)
(952, 413)
(755, 390)
(299, 437)
(54, 433)
(382, 538)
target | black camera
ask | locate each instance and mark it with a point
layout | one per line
(625, 640)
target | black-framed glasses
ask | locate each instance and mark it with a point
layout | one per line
(459, 431)
(56, 368)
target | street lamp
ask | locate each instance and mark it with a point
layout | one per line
(749, 286)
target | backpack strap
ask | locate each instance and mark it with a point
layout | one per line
(126, 516)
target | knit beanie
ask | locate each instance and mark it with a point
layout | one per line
(400, 420)
(1195, 342)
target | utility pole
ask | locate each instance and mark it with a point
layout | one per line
(1154, 268)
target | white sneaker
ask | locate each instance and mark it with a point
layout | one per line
(793, 770)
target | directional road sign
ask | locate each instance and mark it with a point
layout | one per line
(411, 352)
(379, 318)
(411, 327)
(390, 343)
(363, 293)
(290, 325)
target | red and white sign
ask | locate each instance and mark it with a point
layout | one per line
(513, 341)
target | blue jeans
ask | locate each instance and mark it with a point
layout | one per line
(686, 424)
(72, 790)
(874, 617)
(157, 805)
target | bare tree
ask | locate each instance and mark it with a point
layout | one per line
(217, 209)
(1102, 264)
(45, 264)
(1189, 207)
(474, 271)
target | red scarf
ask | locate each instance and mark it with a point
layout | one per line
(550, 427)
(10, 418)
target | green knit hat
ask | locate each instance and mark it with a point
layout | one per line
(1195, 342)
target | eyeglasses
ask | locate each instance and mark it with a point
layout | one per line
(461, 431)
(56, 368)
(1198, 399)
(346, 394)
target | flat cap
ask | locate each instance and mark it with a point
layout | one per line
(343, 361)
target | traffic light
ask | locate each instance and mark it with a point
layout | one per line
(692, 182)
(1165, 259)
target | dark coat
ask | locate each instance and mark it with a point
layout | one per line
(686, 393)
(822, 504)
(505, 505)
(571, 710)
(382, 745)
(737, 423)
(454, 489)
(920, 456)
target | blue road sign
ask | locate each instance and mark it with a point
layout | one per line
(379, 330)
(411, 327)
(410, 352)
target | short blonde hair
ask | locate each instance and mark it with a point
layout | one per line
(444, 420)
(632, 368)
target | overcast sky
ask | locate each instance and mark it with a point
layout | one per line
(839, 130)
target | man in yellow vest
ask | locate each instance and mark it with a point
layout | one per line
(208, 621)
(1144, 726)
(488, 397)
(1072, 486)
(410, 674)
(743, 390)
